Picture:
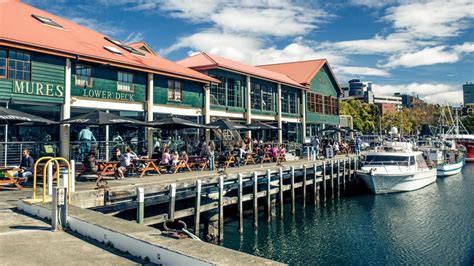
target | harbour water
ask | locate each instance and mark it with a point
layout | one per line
(433, 225)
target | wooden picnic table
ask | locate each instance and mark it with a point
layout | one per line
(198, 162)
(230, 159)
(107, 167)
(11, 180)
(182, 164)
(249, 157)
(149, 166)
(267, 157)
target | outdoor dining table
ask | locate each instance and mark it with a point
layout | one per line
(267, 157)
(149, 166)
(249, 157)
(107, 167)
(182, 164)
(10, 179)
(198, 162)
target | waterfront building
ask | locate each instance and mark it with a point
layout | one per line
(56, 69)
(468, 93)
(359, 88)
(296, 96)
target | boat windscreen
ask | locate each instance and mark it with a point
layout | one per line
(386, 160)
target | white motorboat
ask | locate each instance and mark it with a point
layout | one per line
(396, 168)
(445, 156)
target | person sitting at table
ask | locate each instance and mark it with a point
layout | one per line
(239, 152)
(90, 163)
(274, 152)
(26, 166)
(117, 155)
(144, 153)
(184, 157)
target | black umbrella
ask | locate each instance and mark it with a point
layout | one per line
(227, 125)
(260, 125)
(14, 117)
(175, 123)
(100, 118)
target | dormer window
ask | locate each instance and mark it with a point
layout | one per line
(47, 21)
(124, 46)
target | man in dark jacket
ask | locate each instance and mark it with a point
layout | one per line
(26, 166)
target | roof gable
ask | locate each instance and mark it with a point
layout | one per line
(19, 29)
(303, 72)
(204, 60)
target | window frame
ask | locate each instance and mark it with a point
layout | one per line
(90, 77)
(6, 64)
(132, 88)
(16, 60)
(173, 81)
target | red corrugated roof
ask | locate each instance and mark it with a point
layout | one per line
(18, 28)
(301, 71)
(202, 61)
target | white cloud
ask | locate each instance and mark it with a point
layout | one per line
(102, 27)
(134, 37)
(361, 71)
(377, 44)
(467, 47)
(432, 93)
(432, 19)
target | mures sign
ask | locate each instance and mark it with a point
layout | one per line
(38, 88)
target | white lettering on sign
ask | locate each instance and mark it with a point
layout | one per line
(38, 88)
(121, 96)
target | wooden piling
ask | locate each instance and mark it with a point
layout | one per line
(240, 205)
(221, 208)
(354, 174)
(331, 182)
(172, 203)
(255, 199)
(268, 196)
(280, 191)
(292, 169)
(338, 178)
(323, 187)
(344, 175)
(315, 184)
(303, 204)
(140, 205)
(197, 207)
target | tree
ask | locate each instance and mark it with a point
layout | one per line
(364, 116)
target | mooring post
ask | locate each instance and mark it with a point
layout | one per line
(269, 199)
(255, 199)
(303, 204)
(292, 169)
(73, 176)
(280, 191)
(221, 208)
(172, 202)
(324, 180)
(344, 175)
(354, 174)
(240, 205)
(315, 184)
(140, 205)
(338, 178)
(332, 179)
(197, 207)
(308, 154)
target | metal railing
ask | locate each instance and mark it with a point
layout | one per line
(11, 152)
(104, 149)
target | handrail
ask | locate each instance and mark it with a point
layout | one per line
(45, 167)
(56, 159)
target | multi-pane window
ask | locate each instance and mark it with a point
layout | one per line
(175, 90)
(284, 102)
(19, 65)
(293, 102)
(327, 105)
(319, 103)
(3, 63)
(268, 101)
(238, 93)
(218, 92)
(311, 102)
(125, 82)
(256, 96)
(227, 93)
(334, 103)
(83, 76)
(231, 91)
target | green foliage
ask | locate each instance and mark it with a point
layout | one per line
(365, 116)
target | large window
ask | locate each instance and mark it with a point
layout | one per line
(285, 108)
(319, 103)
(311, 102)
(334, 103)
(268, 101)
(175, 90)
(19, 65)
(3, 64)
(125, 82)
(256, 96)
(293, 102)
(327, 105)
(83, 76)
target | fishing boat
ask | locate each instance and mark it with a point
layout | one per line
(395, 167)
(445, 156)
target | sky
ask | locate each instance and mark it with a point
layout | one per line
(423, 48)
